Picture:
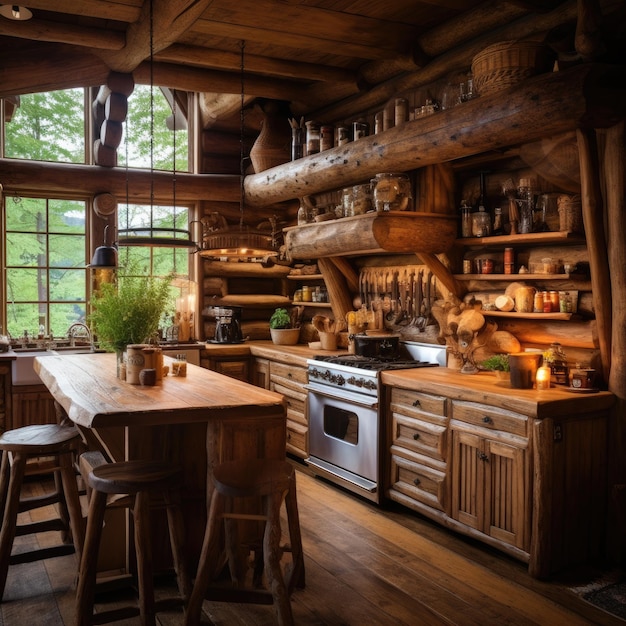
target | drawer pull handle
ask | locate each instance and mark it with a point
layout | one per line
(417, 403)
(482, 456)
(417, 482)
(487, 420)
(416, 436)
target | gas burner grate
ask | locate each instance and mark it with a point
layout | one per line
(370, 363)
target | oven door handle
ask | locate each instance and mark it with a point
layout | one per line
(354, 398)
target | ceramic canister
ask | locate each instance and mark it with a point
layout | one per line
(135, 362)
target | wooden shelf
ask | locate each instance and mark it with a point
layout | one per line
(323, 305)
(528, 316)
(530, 239)
(305, 277)
(390, 231)
(515, 277)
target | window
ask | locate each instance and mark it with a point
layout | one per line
(47, 127)
(44, 261)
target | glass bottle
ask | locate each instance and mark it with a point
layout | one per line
(557, 361)
(498, 229)
(466, 220)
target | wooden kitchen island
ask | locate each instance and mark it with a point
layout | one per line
(196, 421)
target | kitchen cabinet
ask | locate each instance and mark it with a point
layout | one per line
(289, 380)
(419, 450)
(31, 404)
(521, 470)
(260, 373)
(229, 359)
(5, 395)
(490, 472)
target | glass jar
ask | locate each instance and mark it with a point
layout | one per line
(466, 220)
(361, 199)
(481, 223)
(392, 192)
(555, 358)
(313, 137)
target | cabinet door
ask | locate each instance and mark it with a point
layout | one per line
(488, 487)
(32, 405)
(238, 368)
(260, 374)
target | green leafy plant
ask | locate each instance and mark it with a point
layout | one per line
(280, 319)
(497, 363)
(129, 311)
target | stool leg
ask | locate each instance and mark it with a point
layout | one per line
(86, 590)
(72, 501)
(177, 541)
(296, 575)
(272, 553)
(16, 470)
(207, 561)
(143, 549)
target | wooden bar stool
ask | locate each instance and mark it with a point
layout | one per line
(57, 446)
(273, 482)
(139, 480)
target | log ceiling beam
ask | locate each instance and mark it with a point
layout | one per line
(160, 24)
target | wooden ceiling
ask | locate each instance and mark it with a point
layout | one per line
(330, 57)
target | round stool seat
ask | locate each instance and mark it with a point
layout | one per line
(134, 476)
(38, 439)
(254, 477)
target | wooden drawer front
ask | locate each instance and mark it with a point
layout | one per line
(490, 417)
(419, 436)
(419, 482)
(296, 374)
(234, 369)
(295, 402)
(297, 439)
(418, 404)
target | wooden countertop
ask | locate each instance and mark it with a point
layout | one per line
(484, 387)
(87, 387)
(295, 355)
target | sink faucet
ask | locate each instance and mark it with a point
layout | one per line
(78, 326)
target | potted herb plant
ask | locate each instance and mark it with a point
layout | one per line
(499, 364)
(283, 328)
(128, 311)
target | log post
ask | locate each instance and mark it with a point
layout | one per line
(338, 292)
(615, 188)
(591, 199)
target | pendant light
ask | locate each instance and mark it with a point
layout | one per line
(241, 242)
(15, 12)
(104, 256)
(150, 235)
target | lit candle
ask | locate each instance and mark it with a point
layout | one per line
(543, 377)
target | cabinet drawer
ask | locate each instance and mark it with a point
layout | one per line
(419, 436)
(296, 374)
(419, 482)
(490, 417)
(295, 402)
(297, 439)
(416, 403)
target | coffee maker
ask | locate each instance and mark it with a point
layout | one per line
(228, 324)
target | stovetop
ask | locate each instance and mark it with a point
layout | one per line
(369, 363)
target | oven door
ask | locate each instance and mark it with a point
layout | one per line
(343, 435)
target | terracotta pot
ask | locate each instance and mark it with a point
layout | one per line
(285, 336)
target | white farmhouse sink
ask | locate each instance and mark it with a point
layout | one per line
(23, 372)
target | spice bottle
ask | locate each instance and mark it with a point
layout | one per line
(498, 229)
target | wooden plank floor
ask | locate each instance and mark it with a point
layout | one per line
(364, 565)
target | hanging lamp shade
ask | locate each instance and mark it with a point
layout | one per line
(240, 242)
(155, 236)
(105, 256)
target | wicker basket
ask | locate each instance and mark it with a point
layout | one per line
(570, 213)
(504, 64)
